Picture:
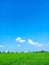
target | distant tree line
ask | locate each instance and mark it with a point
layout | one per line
(42, 51)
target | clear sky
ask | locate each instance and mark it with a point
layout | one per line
(24, 25)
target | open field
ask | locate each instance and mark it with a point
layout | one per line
(24, 58)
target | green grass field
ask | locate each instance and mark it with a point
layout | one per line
(24, 58)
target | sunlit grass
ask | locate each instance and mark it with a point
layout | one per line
(24, 58)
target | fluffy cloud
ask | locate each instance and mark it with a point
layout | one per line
(19, 39)
(25, 51)
(34, 43)
(1, 46)
(48, 42)
(18, 45)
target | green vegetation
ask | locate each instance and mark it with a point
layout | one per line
(30, 58)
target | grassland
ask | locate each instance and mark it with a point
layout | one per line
(24, 58)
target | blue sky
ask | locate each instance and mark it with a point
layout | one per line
(24, 25)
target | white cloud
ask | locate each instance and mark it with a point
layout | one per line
(19, 39)
(18, 45)
(1, 46)
(25, 51)
(34, 43)
(6, 51)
